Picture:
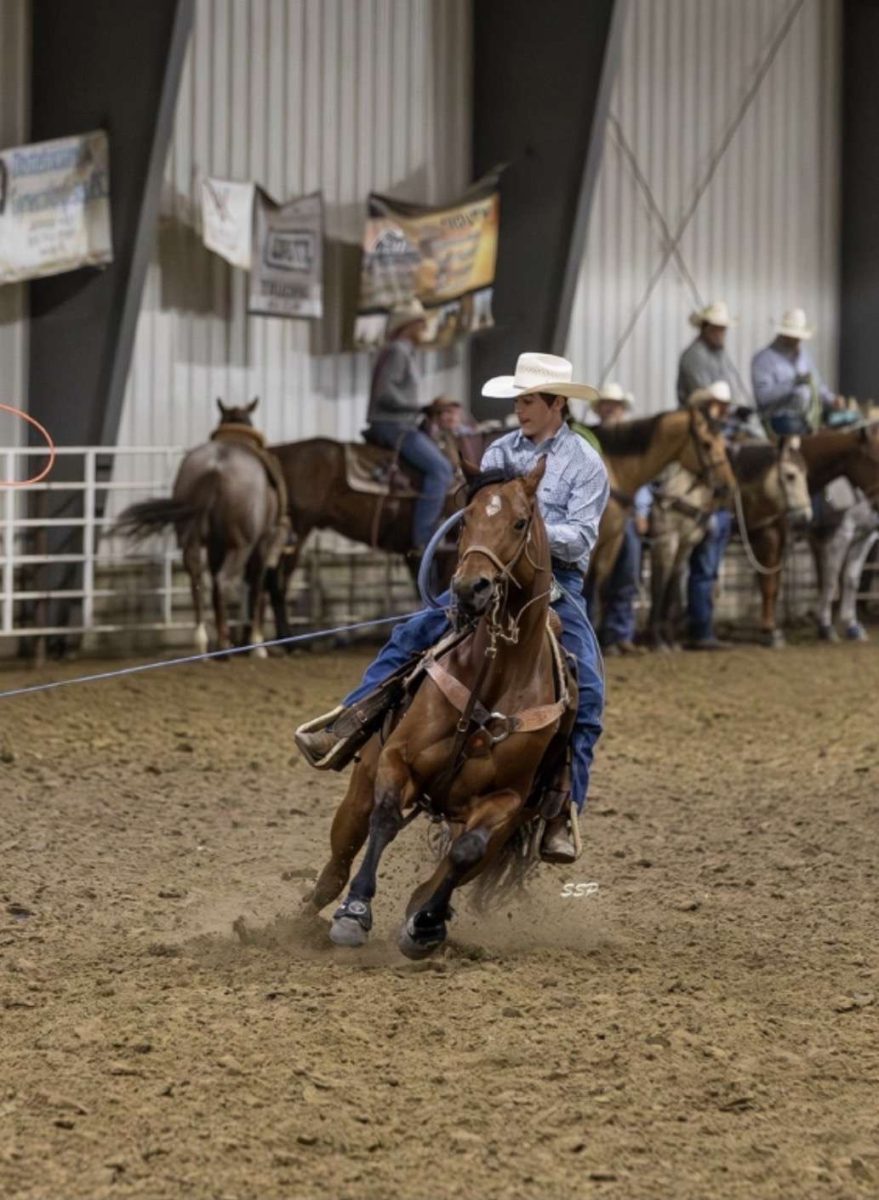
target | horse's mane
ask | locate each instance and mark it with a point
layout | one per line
(752, 460)
(628, 437)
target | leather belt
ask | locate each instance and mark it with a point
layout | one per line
(558, 564)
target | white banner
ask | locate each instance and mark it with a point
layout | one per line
(55, 207)
(286, 279)
(227, 219)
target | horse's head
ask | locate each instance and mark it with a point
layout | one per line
(863, 463)
(787, 483)
(502, 541)
(235, 415)
(705, 453)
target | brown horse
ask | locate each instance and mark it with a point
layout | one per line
(829, 453)
(321, 497)
(222, 504)
(635, 452)
(454, 753)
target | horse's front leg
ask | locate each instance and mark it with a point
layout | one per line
(489, 825)
(347, 835)
(352, 920)
(852, 570)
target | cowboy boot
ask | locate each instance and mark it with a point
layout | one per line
(557, 844)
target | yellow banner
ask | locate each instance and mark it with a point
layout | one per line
(444, 256)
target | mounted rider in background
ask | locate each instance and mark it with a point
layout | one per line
(395, 415)
(572, 496)
(791, 396)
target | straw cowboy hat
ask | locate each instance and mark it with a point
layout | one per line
(719, 390)
(539, 373)
(442, 403)
(793, 324)
(716, 313)
(405, 314)
(614, 393)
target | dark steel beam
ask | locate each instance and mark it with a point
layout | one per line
(542, 80)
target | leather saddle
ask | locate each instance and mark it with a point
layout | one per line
(377, 471)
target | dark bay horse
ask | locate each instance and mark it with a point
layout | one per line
(223, 508)
(483, 783)
(320, 497)
(772, 487)
(635, 452)
(829, 454)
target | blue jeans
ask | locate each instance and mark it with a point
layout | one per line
(704, 568)
(426, 628)
(621, 591)
(422, 453)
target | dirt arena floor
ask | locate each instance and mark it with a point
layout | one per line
(703, 1027)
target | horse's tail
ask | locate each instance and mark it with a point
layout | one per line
(152, 516)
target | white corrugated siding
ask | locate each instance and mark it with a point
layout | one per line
(14, 57)
(348, 96)
(763, 236)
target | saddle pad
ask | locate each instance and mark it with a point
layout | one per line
(369, 469)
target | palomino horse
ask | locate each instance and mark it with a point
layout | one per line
(635, 452)
(772, 487)
(454, 752)
(224, 504)
(320, 497)
(829, 454)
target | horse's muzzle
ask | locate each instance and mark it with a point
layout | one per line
(800, 518)
(473, 596)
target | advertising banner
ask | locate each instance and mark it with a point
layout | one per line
(55, 207)
(444, 256)
(286, 273)
(227, 219)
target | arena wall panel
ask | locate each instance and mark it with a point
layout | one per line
(296, 95)
(14, 104)
(738, 100)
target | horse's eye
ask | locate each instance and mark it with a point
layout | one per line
(520, 524)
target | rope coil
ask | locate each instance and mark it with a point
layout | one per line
(50, 445)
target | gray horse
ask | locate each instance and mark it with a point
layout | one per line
(844, 532)
(225, 509)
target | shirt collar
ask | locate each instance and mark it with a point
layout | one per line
(548, 447)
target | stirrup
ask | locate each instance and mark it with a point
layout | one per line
(327, 761)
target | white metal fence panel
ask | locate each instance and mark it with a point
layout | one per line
(344, 95)
(724, 127)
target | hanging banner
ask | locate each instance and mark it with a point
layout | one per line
(227, 219)
(286, 273)
(444, 256)
(55, 207)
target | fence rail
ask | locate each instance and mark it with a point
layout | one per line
(63, 571)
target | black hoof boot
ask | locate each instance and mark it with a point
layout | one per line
(352, 922)
(421, 935)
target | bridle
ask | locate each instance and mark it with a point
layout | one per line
(708, 467)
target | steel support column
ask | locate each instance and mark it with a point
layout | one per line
(542, 80)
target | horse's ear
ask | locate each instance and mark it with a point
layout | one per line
(792, 443)
(534, 476)
(252, 405)
(221, 407)
(470, 469)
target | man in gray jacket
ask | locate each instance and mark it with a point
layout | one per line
(395, 414)
(705, 360)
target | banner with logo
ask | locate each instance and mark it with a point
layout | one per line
(55, 207)
(286, 272)
(444, 256)
(227, 219)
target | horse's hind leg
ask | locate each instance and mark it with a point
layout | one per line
(192, 561)
(489, 825)
(224, 577)
(255, 575)
(851, 577)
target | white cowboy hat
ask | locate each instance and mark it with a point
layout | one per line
(793, 324)
(539, 373)
(405, 314)
(716, 313)
(719, 390)
(615, 393)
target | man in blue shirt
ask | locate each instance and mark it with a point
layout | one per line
(572, 496)
(791, 396)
